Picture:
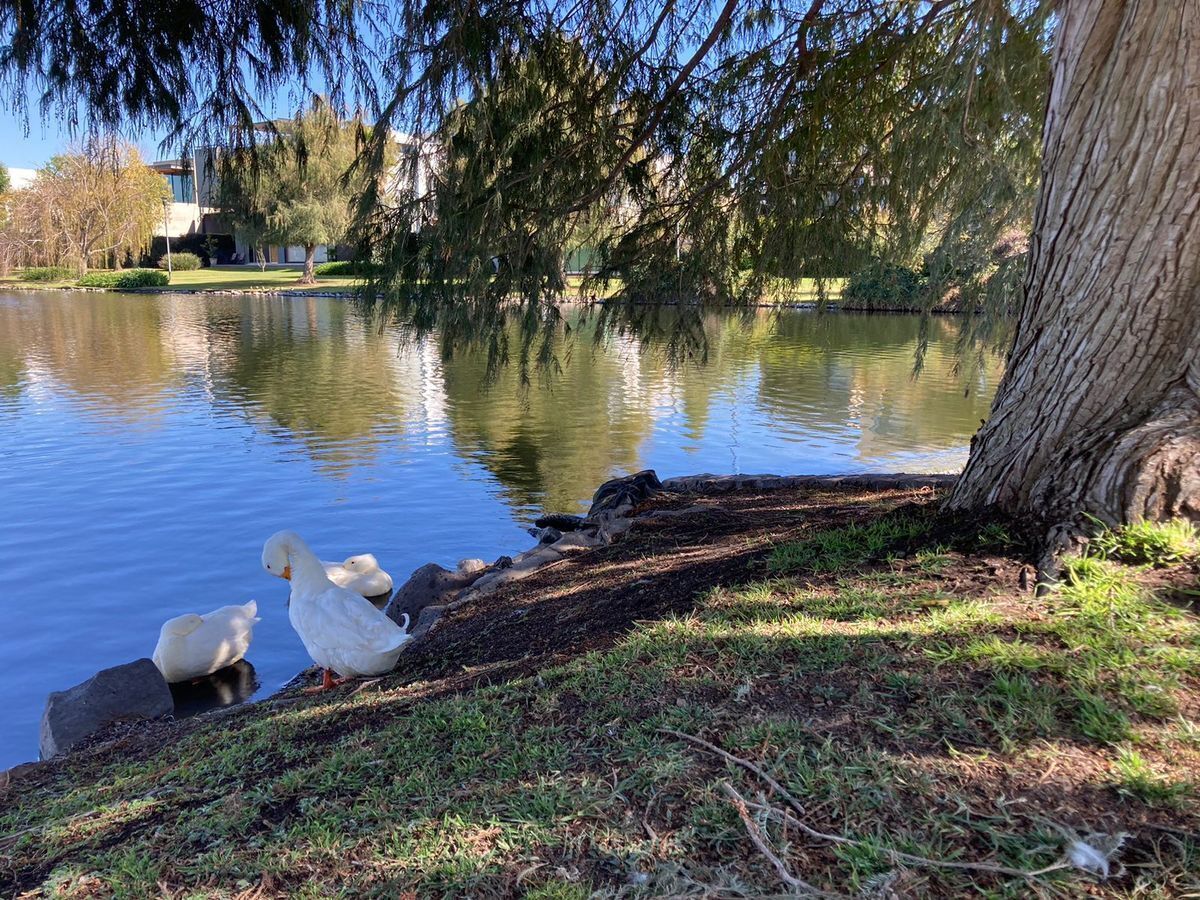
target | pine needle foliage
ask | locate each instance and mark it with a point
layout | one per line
(705, 150)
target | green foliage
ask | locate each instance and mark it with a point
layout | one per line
(46, 273)
(845, 548)
(884, 286)
(5, 179)
(184, 261)
(125, 279)
(299, 189)
(346, 268)
(1150, 543)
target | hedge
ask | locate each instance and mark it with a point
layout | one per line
(884, 287)
(126, 279)
(345, 267)
(47, 273)
(181, 262)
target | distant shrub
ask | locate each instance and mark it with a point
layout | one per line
(345, 268)
(125, 279)
(883, 287)
(181, 262)
(46, 273)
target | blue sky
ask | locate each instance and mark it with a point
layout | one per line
(45, 138)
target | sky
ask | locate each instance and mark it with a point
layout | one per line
(44, 139)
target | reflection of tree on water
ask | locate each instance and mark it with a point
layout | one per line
(318, 372)
(314, 370)
(103, 348)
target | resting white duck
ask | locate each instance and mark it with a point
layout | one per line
(360, 574)
(342, 631)
(192, 646)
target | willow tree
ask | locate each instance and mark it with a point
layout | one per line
(297, 187)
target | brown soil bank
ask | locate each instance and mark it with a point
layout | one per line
(903, 717)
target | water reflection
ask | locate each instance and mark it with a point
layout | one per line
(225, 687)
(312, 374)
(148, 445)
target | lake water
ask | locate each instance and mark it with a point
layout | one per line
(149, 444)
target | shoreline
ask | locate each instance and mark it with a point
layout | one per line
(556, 733)
(567, 300)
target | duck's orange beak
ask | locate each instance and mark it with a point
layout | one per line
(287, 573)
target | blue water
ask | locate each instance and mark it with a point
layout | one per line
(149, 444)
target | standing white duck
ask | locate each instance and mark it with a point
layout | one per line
(360, 574)
(342, 631)
(192, 646)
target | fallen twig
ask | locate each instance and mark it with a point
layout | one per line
(760, 841)
(744, 763)
(896, 856)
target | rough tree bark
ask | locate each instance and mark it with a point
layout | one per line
(1099, 410)
(310, 263)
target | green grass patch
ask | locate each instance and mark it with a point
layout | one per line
(840, 549)
(918, 712)
(1148, 543)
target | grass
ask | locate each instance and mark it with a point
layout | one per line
(912, 703)
(224, 278)
(1149, 543)
(284, 277)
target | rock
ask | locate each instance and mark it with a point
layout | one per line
(429, 617)
(503, 562)
(126, 693)
(624, 493)
(562, 521)
(430, 585)
(547, 535)
(576, 541)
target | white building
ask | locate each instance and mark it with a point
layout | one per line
(21, 178)
(194, 209)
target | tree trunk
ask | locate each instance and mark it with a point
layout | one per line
(1098, 411)
(310, 261)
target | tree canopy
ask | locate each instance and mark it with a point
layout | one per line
(96, 205)
(298, 188)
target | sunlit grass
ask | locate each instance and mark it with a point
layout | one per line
(906, 713)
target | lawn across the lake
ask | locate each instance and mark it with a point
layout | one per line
(278, 278)
(798, 692)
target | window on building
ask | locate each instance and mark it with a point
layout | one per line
(182, 187)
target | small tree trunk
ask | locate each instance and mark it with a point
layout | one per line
(310, 262)
(1099, 410)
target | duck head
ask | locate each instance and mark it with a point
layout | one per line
(364, 563)
(277, 553)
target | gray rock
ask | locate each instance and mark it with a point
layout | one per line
(562, 521)
(624, 492)
(429, 617)
(126, 693)
(430, 585)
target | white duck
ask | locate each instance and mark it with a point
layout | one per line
(342, 631)
(360, 574)
(193, 646)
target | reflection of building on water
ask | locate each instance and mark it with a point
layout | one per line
(225, 687)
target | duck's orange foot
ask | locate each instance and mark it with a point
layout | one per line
(328, 683)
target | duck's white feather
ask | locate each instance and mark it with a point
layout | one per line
(192, 646)
(360, 574)
(340, 629)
